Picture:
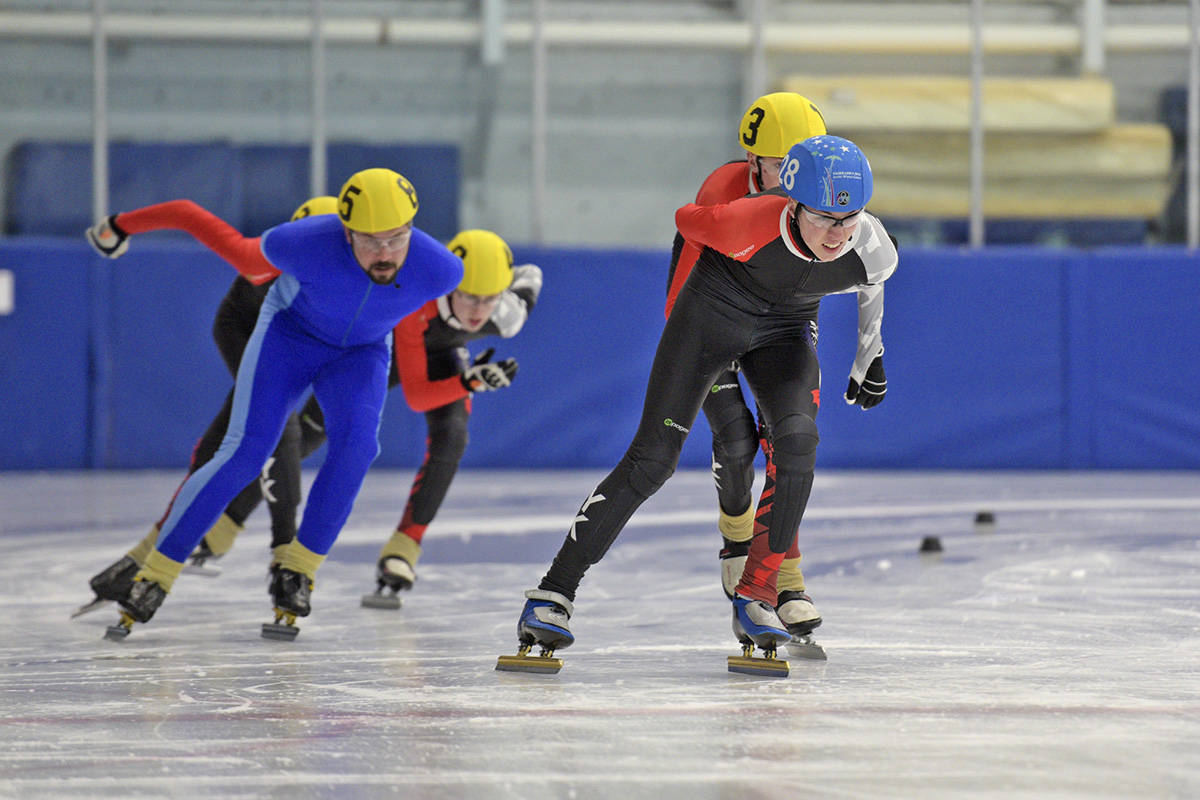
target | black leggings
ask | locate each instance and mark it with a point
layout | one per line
(734, 442)
(703, 335)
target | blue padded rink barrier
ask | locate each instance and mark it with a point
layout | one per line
(1052, 655)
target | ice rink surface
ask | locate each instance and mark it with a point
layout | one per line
(1055, 654)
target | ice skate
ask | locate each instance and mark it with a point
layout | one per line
(292, 593)
(757, 624)
(393, 575)
(544, 622)
(110, 584)
(733, 557)
(138, 605)
(198, 561)
(801, 617)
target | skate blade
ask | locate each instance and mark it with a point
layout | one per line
(283, 628)
(203, 570)
(118, 632)
(805, 647)
(87, 608)
(389, 602)
(542, 665)
(767, 667)
(279, 632)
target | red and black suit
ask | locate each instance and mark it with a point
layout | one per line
(430, 355)
(753, 297)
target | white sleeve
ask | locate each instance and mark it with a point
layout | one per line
(880, 259)
(876, 250)
(513, 307)
(870, 330)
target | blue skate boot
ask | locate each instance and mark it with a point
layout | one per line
(757, 624)
(544, 622)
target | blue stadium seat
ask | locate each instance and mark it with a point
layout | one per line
(274, 183)
(253, 187)
(49, 189)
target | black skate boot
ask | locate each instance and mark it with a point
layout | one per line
(292, 593)
(543, 622)
(393, 575)
(797, 611)
(112, 583)
(139, 605)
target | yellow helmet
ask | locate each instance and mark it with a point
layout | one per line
(776, 121)
(315, 206)
(487, 262)
(375, 200)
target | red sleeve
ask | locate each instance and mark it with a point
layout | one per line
(736, 229)
(420, 393)
(725, 184)
(210, 230)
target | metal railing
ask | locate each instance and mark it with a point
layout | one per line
(1090, 39)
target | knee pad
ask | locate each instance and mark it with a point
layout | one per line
(647, 476)
(732, 426)
(738, 440)
(795, 439)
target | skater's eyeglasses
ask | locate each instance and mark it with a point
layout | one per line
(825, 222)
(368, 242)
(476, 299)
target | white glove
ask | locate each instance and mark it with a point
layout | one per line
(483, 376)
(107, 239)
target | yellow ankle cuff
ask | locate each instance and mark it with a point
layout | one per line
(221, 535)
(146, 546)
(739, 528)
(160, 569)
(299, 558)
(790, 577)
(401, 545)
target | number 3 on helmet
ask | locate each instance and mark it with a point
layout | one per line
(775, 121)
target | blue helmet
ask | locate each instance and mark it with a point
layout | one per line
(827, 173)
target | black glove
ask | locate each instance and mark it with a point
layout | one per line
(107, 239)
(482, 376)
(873, 389)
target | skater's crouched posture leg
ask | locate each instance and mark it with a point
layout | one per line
(197, 506)
(794, 456)
(595, 527)
(351, 389)
(446, 443)
(735, 445)
(696, 346)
